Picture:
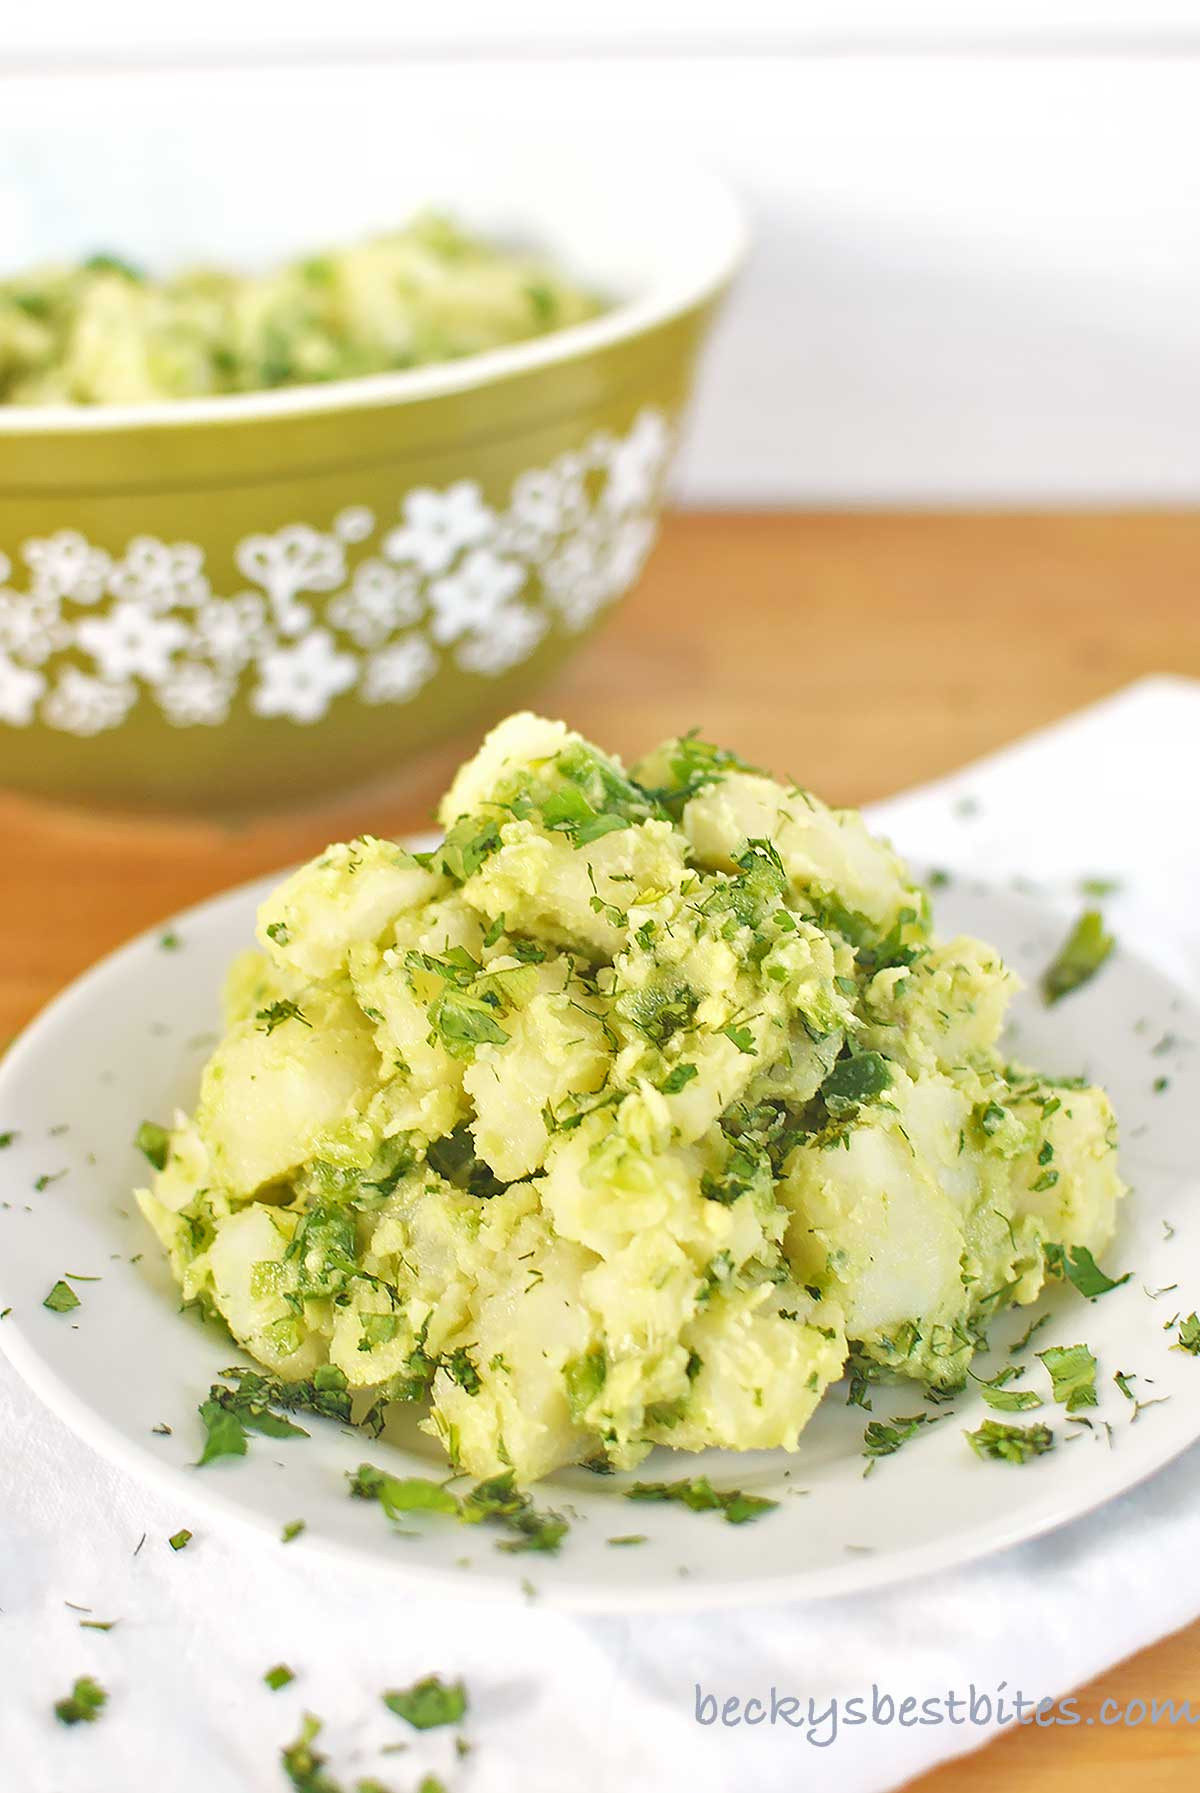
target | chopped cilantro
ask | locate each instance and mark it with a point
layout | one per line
(1018, 1345)
(534, 1530)
(225, 1433)
(303, 1764)
(291, 1530)
(1009, 1400)
(1189, 1335)
(154, 1142)
(466, 847)
(428, 1704)
(1079, 958)
(461, 1370)
(326, 1394)
(855, 1080)
(83, 1704)
(497, 1498)
(6, 1139)
(699, 1496)
(694, 763)
(61, 1299)
(377, 1329)
(279, 1676)
(1076, 1264)
(677, 1078)
(628, 1538)
(660, 1008)
(277, 1013)
(584, 1378)
(1010, 1444)
(98, 1624)
(180, 1540)
(230, 1413)
(401, 1494)
(883, 1437)
(170, 941)
(746, 1169)
(1073, 1373)
(463, 1021)
(742, 1038)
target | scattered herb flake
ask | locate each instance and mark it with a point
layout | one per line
(883, 1438)
(292, 1529)
(1010, 1444)
(279, 1676)
(225, 1433)
(180, 1540)
(229, 1414)
(1189, 1335)
(83, 1704)
(699, 1496)
(98, 1624)
(154, 1142)
(1076, 1264)
(1079, 958)
(1010, 1400)
(401, 1494)
(303, 1764)
(61, 1299)
(1072, 1371)
(277, 1013)
(428, 1704)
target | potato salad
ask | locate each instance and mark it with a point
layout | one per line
(640, 1111)
(104, 331)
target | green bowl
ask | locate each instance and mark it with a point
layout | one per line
(224, 603)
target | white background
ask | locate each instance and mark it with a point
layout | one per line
(976, 273)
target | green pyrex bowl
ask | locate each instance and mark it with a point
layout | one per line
(239, 602)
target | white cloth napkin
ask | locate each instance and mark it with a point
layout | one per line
(606, 1705)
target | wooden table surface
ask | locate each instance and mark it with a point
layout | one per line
(858, 654)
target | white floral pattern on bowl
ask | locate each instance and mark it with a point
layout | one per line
(92, 635)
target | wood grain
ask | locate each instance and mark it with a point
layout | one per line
(857, 653)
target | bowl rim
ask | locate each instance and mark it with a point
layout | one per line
(720, 253)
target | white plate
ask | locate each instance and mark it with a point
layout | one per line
(127, 1042)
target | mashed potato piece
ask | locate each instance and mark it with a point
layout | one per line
(628, 1116)
(104, 332)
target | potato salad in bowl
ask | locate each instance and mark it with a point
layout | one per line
(638, 1112)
